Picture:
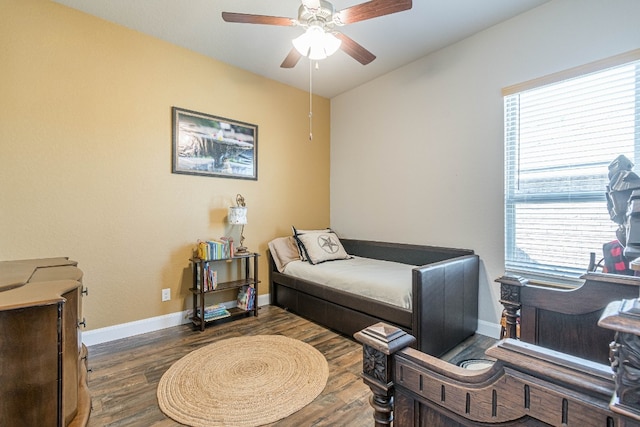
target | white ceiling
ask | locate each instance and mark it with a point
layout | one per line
(396, 39)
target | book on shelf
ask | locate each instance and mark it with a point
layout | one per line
(245, 299)
(216, 311)
(210, 278)
(230, 248)
(215, 249)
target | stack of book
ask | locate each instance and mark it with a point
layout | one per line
(246, 300)
(215, 249)
(216, 311)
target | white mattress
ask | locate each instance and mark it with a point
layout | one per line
(385, 281)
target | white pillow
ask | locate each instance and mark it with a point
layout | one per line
(320, 245)
(284, 250)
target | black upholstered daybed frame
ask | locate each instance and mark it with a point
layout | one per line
(444, 295)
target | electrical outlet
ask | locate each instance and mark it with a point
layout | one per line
(166, 294)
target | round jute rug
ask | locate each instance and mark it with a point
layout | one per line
(243, 381)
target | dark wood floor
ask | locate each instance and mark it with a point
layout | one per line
(125, 373)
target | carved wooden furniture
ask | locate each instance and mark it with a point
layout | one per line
(42, 361)
(565, 320)
(444, 295)
(527, 385)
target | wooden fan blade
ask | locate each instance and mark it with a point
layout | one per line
(372, 9)
(353, 49)
(247, 18)
(292, 59)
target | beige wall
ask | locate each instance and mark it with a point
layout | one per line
(427, 138)
(85, 157)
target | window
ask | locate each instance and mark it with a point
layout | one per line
(561, 134)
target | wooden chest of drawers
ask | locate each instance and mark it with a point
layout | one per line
(42, 359)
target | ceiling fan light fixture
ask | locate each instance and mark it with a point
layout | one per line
(316, 43)
(331, 43)
(316, 53)
(302, 43)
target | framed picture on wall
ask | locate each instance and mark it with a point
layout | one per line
(213, 146)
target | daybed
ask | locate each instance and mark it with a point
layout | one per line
(441, 307)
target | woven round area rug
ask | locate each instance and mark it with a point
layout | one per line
(242, 382)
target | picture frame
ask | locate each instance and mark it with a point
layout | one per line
(213, 146)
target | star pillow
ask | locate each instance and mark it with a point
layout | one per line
(321, 245)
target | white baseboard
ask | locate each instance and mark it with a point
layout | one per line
(125, 330)
(488, 329)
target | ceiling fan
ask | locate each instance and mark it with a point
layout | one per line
(319, 18)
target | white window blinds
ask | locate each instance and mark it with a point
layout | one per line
(559, 140)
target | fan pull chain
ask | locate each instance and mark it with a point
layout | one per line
(310, 100)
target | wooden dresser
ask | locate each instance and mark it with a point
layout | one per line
(42, 359)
